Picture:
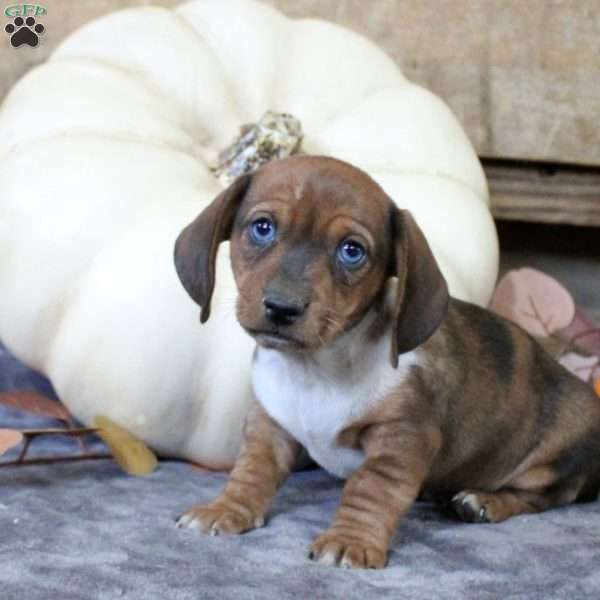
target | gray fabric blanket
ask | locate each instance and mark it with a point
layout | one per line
(87, 531)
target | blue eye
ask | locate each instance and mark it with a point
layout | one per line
(262, 231)
(351, 253)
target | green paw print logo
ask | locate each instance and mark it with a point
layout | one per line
(24, 29)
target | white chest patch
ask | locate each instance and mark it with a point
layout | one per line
(315, 402)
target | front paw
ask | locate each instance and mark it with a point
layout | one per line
(222, 516)
(336, 548)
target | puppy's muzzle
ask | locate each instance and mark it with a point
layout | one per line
(282, 311)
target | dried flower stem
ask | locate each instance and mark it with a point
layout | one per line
(42, 460)
(30, 434)
(23, 452)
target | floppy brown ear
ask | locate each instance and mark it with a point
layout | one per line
(196, 246)
(422, 296)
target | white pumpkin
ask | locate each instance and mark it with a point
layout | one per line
(104, 154)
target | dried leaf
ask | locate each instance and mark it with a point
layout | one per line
(579, 365)
(582, 332)
(9, 438)
(597, 387)
(133, 456)
(35, 403)
(533, 300)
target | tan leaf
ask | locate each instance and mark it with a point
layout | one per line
(533, 300)
(35, 403)
(583, 332)
(9, 438)
(133, 456)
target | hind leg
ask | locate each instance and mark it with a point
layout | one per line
(476, 506)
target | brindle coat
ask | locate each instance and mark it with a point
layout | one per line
(475, 413)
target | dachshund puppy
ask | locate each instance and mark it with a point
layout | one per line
(365, 361)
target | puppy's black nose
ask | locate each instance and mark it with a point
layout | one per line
(282, 311)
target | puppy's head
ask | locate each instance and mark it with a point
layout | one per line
(313, 243)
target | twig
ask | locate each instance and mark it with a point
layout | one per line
(31, 434)
(24, 449)
(80, 440)
(51, 459)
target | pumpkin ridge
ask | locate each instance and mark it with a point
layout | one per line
(228, 85)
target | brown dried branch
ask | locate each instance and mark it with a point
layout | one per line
(52, 459)
(24, 449)
(30, 434)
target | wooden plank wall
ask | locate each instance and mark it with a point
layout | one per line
(523, 76)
